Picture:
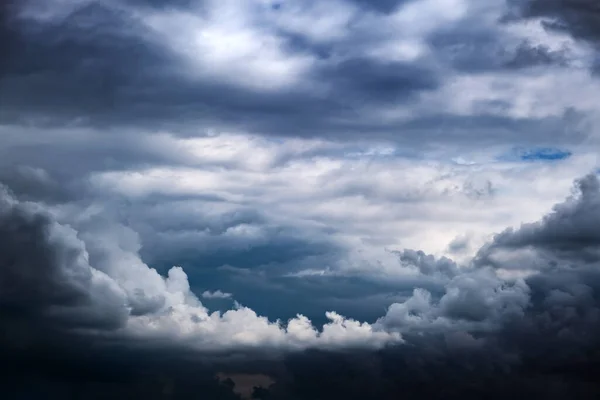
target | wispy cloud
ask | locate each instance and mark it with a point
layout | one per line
(217, 294)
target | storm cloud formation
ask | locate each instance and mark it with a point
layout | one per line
(482, 336)
(298, 199)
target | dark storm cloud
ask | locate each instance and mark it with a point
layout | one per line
(276, 247)
(550, 351)
(44, 275)
(568, 235)
(562, 251)
(97, 66)
(8, 36)
(81, 66)
(101, 67)
(189, 235)
(368, 81)
(580, 18)
(433, 369)
(78, 370)
(59, 313)
(547, 349)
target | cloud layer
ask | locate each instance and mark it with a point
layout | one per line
(478, 313)
(342, 199)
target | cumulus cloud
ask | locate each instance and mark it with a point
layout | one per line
(46, 274)
(565, 237)
(98, 284)
(79, 273)
(95, 279)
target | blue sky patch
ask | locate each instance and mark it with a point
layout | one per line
(545, 154)
(536, 154)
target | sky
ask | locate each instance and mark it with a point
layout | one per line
(340, 199)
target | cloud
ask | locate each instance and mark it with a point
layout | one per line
(579, 18)
(559, 256)
(46, 275)
(336, 167)
(102, 292)
(216, 295)
(118, 66)
(94, 279)
(550, 325)
(565, 234)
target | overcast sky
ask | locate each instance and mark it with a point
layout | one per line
(314, 187)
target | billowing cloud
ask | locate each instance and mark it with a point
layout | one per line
(92, 281)
(52, 274)
(564, 238)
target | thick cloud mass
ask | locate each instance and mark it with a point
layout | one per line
(46, 277)
(52, 274)
(567, 237)
(262, 67)
(55, 278)
(224, 199)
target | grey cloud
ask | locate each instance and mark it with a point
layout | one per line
(473, 301)
(36, 162)
(561, 254)
(459, 244)
(479, 297)
(32, 183)
(581, 18)
(45, 276)
(566, 235)
(528, 55)
(384, 6)
(201, 248)
(100, 68)
(165, 4)
(560, 298)
(468, 333)
(428, 264)
(562, 314)
(479, 50)
(562, 128)
(369, 81)
(81, 66)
